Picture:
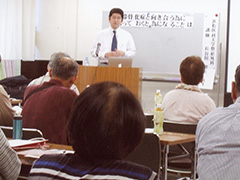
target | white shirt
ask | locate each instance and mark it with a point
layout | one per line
(218, 144)
(46, 78)
(124, 43)
(186, 106)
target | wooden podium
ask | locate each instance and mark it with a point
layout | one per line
(130, 77)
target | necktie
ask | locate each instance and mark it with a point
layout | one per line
(114, 41)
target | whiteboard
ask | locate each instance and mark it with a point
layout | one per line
(161, 50)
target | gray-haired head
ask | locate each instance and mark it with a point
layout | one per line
(57, 55)
(63, 66)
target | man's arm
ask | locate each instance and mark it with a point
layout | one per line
(98, 46)
(131, 49)
(10, 165)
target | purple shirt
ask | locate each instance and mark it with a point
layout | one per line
(48, 110)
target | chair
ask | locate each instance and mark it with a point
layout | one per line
(149, 121)
(148, 153)
(28, 133)
(181, 158)
(181, 128)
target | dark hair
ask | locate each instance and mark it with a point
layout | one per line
(237, 79)
(106, 122)
(64, 67)
(192, 69)
(116, 10)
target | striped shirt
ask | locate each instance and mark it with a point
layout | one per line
(218, 144)
(10, 165)
(69, 166)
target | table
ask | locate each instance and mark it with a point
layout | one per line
(171, 138)
(166, 139)
(27, 157)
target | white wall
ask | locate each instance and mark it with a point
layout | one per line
(90, 14)
(56, 27)
(73, 24)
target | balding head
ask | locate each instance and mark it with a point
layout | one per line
(64, 67)
(57, 55)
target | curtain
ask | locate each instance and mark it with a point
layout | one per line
(2, 74)
(16, 35)
(11, 67)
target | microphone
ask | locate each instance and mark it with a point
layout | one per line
(98, 49)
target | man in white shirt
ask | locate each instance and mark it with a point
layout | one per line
(187, 103)
(113, 41)
(46, 77)
(218, 142)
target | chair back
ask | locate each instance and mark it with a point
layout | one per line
(181, 157)
(28, 133)
(181, 128)
(148, 153)
(149, 120)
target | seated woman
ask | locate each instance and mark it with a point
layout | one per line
(187, 104)
(106, 124)
(6, 110)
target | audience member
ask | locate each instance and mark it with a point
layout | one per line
(105, 126)
(46, 77)
(10, 165)
(187, 103)
(47, 106)
(217, 140)
(6, 110)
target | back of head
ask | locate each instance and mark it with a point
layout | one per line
(192, 69)
(63, 67)
(57, 55)
(237, 80)
(106, 122)
(116, 10)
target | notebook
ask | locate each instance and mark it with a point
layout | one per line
(120, 62)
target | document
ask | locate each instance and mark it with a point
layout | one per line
(36, 153)
(17, 144)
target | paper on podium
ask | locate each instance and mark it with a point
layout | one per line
(17, 144)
